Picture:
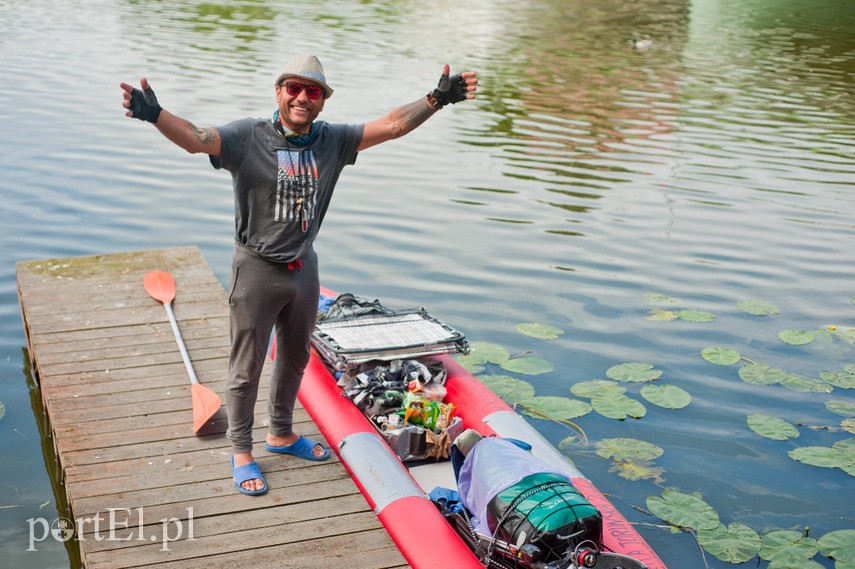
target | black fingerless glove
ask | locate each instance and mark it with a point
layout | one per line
(449, 90)
(144, 105)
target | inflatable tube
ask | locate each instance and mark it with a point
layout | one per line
(396, 497)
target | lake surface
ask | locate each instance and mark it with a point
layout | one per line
(591, 186)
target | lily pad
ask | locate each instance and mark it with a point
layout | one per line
(844, 451)
(787, 544)
(772, 427)
(618, 407)
(796, 337)
(844, 379)
(815, 456)
(696, 316)
(846, 332)
(796, 562)
(683, 510)
(761, 374)
(848, 425)
(2, 409)
(838, 544)
(845, 408)
(627, 448)
(490, 352)
(509, 389)
(638, 470)
(635, 372)
(662, 315)
(596, 387)
(721, 356)
(542, 331)
(666, 395)
(654, 298)
(528, 365)
(554, 407)
(471, 362)
(758, 307)
(804, 384)
(735, 543)
(571, 443)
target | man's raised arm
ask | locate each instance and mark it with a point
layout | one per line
(404, 119)
(142, 104)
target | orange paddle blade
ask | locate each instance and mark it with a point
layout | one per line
(206, 403)
(160, 285)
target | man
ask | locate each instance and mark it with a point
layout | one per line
(284, 171)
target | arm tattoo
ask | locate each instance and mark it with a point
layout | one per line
(206, 135)
(408, 117)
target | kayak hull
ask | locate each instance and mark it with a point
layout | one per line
(393, 491)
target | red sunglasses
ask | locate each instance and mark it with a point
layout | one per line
(312, 91)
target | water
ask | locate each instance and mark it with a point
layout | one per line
(713, 167)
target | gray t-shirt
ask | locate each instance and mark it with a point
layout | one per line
(282, 191)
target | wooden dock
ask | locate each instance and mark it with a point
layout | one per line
(142, 489)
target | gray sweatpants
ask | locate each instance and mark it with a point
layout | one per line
(262, 294)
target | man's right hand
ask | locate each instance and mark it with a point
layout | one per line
(141, 103)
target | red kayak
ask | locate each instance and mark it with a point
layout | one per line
(398, 491)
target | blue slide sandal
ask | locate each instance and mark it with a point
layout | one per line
(303, 448)
(248, 472)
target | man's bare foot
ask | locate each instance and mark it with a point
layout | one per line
(318, 450)
(242, 458)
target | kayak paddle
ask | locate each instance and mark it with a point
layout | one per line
(161, 286)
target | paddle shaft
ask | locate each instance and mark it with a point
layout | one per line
(180, 341)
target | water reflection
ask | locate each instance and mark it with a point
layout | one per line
(715, 165)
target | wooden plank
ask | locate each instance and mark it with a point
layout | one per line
(117, 396)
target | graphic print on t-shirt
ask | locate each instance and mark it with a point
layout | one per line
(296, 186)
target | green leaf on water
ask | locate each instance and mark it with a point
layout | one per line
(844, 451)
(815, 456)
(846, 332)
(554, 407)
(615, 406)
(796, 337)
(848, 425)
(683, 510)
(787, 544)
(509, 389)
(527, 365)
(845, 408)
(761, 374)
(471, 362)
(2, 409)
(542, 331)
(596, 387)
(772, 427)
(844, 379)
(696, 316)
(627, 448)
(666, 395)
(757, 307)
(572, 443)
(662, 315)
(721, 356)
(796, 562)
(635, 372)
(638, 470)
(838, 544)
(654, 298)
(489, 352)
(804, 384)
(735, 543)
